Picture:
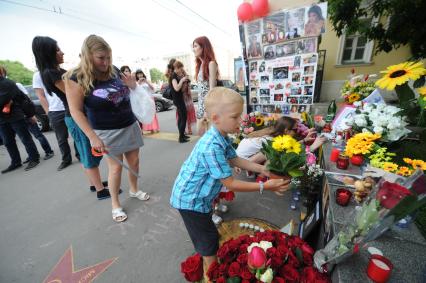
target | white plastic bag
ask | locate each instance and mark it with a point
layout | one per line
(142, 104)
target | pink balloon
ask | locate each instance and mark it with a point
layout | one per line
(260, 7)
(245, 12)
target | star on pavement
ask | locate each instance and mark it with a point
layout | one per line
(64, 272)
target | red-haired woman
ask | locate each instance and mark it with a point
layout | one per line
(206, 74)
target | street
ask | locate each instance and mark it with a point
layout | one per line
(44, 213)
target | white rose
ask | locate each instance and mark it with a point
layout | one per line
(265, 245)
(394, 123)
(251, 114)
(357, 103)
(396, 134)
(360, 121)
(256, 113)
(365, 130)
(378, 130)
(267, 276)
(392, 110)
(252, 245)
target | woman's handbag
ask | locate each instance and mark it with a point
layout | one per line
(142, 104)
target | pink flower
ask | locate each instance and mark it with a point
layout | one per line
(310, 158)
(251, 129)
(246, 130)
(256, 258)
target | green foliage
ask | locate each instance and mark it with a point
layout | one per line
(17, 72)
(404, 22)
(156, 75)
(421, 220)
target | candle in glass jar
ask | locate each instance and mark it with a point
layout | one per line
(380, 264)
(379, 268)
(334, 154)
(342, 162)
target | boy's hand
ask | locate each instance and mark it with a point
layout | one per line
(264, 171)
(237, 170)
(279, 186)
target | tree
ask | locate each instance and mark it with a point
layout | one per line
(156, 75)
(403, 23)
(17, 72)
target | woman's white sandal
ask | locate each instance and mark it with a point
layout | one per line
(118, 215)
(139, 195)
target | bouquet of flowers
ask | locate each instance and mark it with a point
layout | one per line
(357, 87)
(362, 143)
(269, 256)
(379, 119)
(388, 203)
(285, 156)
(192, 268)
(252, 122)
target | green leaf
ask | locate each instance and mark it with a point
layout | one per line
(299, 254)
(295, 173)
(404, 92)
(233, 280)
(419, 82)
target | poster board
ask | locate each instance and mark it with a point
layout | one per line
(282, 59)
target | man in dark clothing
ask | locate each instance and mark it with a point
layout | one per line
(12, 122)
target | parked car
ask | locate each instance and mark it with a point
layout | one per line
(229, 84)
(194, 91)
(41, 116)
(161, 103)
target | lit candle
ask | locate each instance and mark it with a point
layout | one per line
(334, 154)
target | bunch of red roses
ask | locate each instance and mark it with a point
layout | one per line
(270, 256)
(192, 268)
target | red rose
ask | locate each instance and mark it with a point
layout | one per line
(390, 194)
(245, 273)
(213, 272)
(282, 250)
(253, 119)
(276, 261)
(234, 245)
(243, 248)
(307, 259)
(221, 280)
(289, 273)
(223, 269)
(292, 259)
(308, 275)
(307, 249)
(192, 268)
(229, 196)
(278, 280)
(234, 269)
(271, 252)
(242, 259)
(256, 259)
(223, 251)
(245, 281)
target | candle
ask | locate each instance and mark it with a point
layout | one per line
(342, 162)
(334, 154)
(251, 226)
(241, 224)
(262, 230)
(343, 196)
(379, 268)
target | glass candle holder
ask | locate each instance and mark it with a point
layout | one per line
(342, 162)
(379, 268)
(335, 152)
(343, 196)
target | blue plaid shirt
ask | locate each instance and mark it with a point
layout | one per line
(198, 182)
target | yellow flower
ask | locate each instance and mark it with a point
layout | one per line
(294, 147)
(281, 143)
(390, 167)
(400, 74)
(361, 143)
(418, 164)
(259, 121)
(404, 171)
(422, 92)
(353, 97)
(407, 160)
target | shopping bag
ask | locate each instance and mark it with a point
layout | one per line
(142, 104)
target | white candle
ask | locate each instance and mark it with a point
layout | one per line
(262, 230)
(380, 264)
(256, 228)
(241, 224)
(251, 226)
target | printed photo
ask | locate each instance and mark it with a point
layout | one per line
(254, 83)
(254, 100)
(292, 100)
(295, 21)
(264, 92)
(308, 80)
(302, 108)
(285, 109)
(269, 52)
(295, 77)
(239, 74)
(268, 108)
(305, 100)
(308, 70)
(308, 45)
(265, 100)
(254, 49)
(278, 97)
(310, 59)
(264, 79)
(262, 67)
(296, 91)
(258, 108)
(280, 73)
(278, 86)
(308, 90)
(253, 91)
(274, 27)
(315, 19)
(286, 49)
(253, 67)
(293, 109)
(296, 63)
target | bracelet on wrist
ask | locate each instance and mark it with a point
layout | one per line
(261, 187)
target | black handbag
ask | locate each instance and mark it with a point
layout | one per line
(27, 105)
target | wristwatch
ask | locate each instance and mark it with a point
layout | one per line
(261, 187)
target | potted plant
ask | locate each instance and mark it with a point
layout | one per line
(285, 157)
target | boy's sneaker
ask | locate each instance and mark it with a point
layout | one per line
(103, 194)
(216, 219)
(221, 207)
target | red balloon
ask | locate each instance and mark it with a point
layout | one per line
(260, 7)
(245, 12)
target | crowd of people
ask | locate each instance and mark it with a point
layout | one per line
(91, 102)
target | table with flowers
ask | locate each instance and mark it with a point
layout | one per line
(405, 247)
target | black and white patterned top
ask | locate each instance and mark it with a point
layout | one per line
(203, 89)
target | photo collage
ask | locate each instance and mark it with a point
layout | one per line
(281, 51)
(284, 84)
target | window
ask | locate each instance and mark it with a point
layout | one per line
(355, 49)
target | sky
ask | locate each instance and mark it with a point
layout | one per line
(134, 29)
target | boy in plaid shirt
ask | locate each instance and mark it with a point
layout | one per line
(209, 167)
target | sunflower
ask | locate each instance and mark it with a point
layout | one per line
(259, 121)
(418, 164)
(353, 97)
(422, 92)
(404, 171)
(294, 147)
(390, 167)
(407, 160)
(400, 74)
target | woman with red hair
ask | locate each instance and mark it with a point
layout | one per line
(206, 74)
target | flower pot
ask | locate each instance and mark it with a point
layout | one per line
(357, 160)
(278, 176)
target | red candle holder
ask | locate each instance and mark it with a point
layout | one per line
(379, 268)
(343, 196)
(342, 162)
(334, 154)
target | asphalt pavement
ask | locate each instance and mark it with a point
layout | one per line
(54, 228)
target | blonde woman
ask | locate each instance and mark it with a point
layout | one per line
(107, 119)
